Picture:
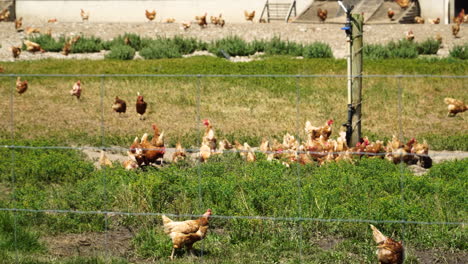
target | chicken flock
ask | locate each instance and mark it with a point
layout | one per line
(318, 148)
(202, 22)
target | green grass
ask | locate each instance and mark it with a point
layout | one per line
(121, 52)
(370, 189)
(460, 52)
(237, 106)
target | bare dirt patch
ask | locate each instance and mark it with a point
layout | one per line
(115, 243)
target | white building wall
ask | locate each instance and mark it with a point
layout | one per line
(134, 10)
(436, 8)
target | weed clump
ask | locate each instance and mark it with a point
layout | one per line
(232, 46)
(159, 50)
(87, 45)
(317, 50)
(428, 47)
(121, 52)
(48, 43)
(460, 52)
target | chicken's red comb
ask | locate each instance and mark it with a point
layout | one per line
(330, 122)
(207, 213)
(206, 122)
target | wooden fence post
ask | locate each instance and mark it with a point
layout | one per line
(356, 87)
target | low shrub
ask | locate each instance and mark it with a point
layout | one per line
(121, 52)
(186, 45)
(232, 46)
(428, 47)
(376, 51)
(460, 52)
(258, 45)
(48, 43)
(403, 49)
(87, 45)
(160, 50)
(276, 46)
(133, 40)
(317, 50)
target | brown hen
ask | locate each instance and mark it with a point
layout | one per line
(186, 233)
(389, 251)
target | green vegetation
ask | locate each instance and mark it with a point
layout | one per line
(87, 45)
(160, 51)
(460, 52)
(428, 47)
(317, 50)
(369, 189)
(230, 46)
(404, 49)
(237, 106)
(235, 46)
(47, 42)
(121, 52)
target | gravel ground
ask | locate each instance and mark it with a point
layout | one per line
(303, 33)
(118, 157)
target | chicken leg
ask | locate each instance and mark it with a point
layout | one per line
(172, 254)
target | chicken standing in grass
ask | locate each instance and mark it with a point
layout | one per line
(389, 251)
(179, 153)
(455, 106)
(186, 233)
(209, 137)
(104, 160)
(21, 86)
(141, 106)
(205, 152)
(76, 90)
(119, 106)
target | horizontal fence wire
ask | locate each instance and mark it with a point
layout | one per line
(241, 75)
(457, 154)
(230, 217)
(194, 150)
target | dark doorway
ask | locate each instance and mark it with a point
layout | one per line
(459, 4)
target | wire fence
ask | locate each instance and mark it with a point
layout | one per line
(252, 102)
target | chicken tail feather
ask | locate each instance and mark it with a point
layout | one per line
(166, 220)
(378, 236)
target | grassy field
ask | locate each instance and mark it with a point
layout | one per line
(371, 189)
(246, 109)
